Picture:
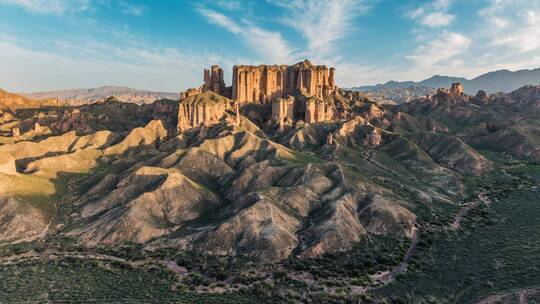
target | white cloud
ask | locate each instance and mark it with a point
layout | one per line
(57, 7)
(433, 14)
(268, 44)
(437, 19)
(131, 9)
(321, 22)
(513, 23)
(441, 51)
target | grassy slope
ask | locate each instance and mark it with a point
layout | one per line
(496, 250)
(39, 192)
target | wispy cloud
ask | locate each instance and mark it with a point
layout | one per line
(56, 7)
(442, 51)
(513, 23)
(75, 63)
(132, 9)
(269, 45)
(433, 14)
(321, 22)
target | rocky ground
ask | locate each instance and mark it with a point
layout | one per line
(335, 206)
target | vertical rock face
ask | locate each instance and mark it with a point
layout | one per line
(317, 110)
(265, 82)
(203, 109)
(282, 108)
(213, 80)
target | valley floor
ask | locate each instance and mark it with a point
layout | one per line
(487, 253)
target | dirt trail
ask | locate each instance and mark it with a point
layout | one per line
(482, 198)
(389, 276)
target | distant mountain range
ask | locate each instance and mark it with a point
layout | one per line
(85, 96)
(492, 82)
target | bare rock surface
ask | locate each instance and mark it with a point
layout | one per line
(19, 219)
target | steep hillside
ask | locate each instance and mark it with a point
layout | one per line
(10, 102)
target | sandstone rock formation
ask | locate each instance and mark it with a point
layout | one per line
(190, 92)
(264, 82)
(37, 128)
(453, 95)
(213, 80)
(16, 132)
(457, 89)
(283, 109)
(317, 111)
(374, 137)
(203, 109)
(372, 112)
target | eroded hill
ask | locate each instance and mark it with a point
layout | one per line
(275, 182)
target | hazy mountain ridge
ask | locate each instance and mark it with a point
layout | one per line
(85, 96)
(492, 82)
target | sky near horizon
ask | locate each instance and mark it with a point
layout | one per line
(163, 45)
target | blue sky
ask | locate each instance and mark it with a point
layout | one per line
(163, 45)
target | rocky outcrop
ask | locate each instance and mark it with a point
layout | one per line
(457, 89)
(374, 137)
(74, 120)
(481, 97)
(265, 82)
(203, 109)
(453, 95)
(213, 80)
(16, 132)
(282, 109)
(317, 111)
(190, 92)
(372, 112)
